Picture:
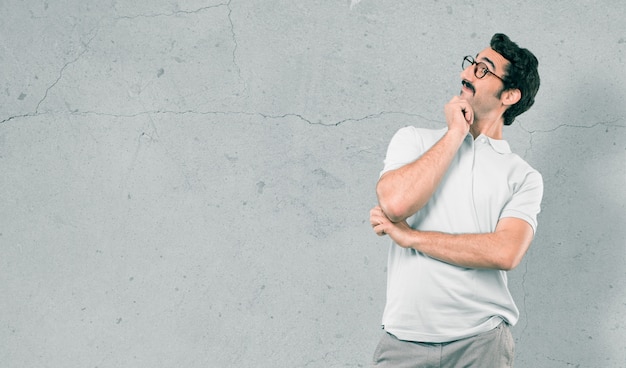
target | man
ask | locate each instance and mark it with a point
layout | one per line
(461, 210)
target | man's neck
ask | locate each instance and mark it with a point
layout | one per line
(490, 127)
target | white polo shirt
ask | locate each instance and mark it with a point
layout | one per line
(433, 301)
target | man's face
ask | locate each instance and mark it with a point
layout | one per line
(483, 93)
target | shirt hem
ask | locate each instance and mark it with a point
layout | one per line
(439, 338)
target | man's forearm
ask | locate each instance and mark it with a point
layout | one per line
(502, 249)
(465, 250)
(404, 191)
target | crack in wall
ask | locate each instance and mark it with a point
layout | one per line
(187, 12)
(86, 48)
(17, 117)
(524, 300)
(130, 17)
(173, 13)
(232, 31)
(236, 47)
(576, 365)
(56, 81)
(610, 123)
(185, 112)
(259, 114)
(381, 114)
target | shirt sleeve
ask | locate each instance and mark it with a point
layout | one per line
(405, 147)
(526, 201)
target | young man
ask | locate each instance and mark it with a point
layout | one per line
(461, 210)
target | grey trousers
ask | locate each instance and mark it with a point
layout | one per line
(492, 349)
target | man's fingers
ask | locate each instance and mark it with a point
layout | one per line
(378, 219)
(377, 216)
(379, 230)
(468, 113)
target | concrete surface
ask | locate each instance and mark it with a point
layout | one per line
(187, 183)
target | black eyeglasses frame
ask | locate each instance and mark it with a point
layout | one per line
(485, 70)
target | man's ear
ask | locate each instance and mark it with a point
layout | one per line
(511, 96)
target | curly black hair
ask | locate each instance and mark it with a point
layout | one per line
(521, 73)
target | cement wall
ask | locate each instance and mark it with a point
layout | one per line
(187, 183)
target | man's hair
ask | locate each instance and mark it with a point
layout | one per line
(521, 73)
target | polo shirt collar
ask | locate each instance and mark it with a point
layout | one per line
(500, 146)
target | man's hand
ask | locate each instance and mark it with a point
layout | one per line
(399, 232)
(459, 115)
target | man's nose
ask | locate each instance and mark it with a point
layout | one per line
(468, 73)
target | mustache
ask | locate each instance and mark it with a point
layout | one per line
(469, 85)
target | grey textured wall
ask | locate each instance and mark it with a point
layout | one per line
(187, 183)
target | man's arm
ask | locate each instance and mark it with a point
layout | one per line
(502, 249)
(404, 191)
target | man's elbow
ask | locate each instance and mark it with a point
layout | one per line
(508, 264)
(394, 212)
(512, 259)
(393, 204)
(393, 207)
(514, 237)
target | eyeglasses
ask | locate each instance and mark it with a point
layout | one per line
(480, 68)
